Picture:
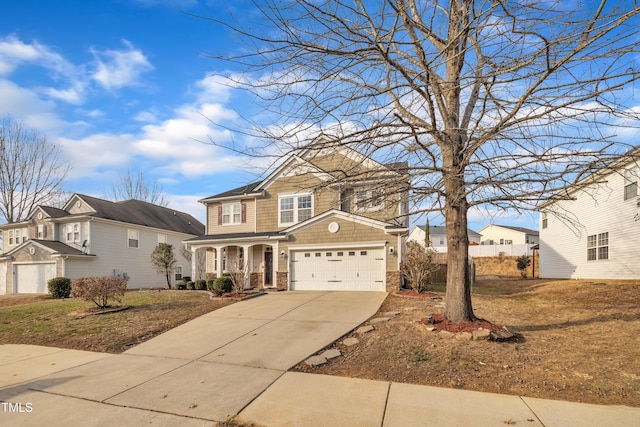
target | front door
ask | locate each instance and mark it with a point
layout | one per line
(268, 267)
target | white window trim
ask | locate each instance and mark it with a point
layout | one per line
(295, 197)
(130, 233)
(369, 197)
(70, 230)
(176, 271)
(232, 207)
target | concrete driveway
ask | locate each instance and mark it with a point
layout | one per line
(206, 370)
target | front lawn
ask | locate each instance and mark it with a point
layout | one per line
(68, 323)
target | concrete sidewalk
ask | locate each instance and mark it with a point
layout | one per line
(235, 361)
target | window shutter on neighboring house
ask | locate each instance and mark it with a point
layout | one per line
(220, 215)
(244, 212)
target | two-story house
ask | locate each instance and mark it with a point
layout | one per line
(438, 236)
(589, 234)
(328, 218)
(92, 237)
(493, 234)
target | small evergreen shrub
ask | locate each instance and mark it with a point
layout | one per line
(201, 285)
(59, 287)
(181, 286)
(191, 285)
(223, 284)
(210, 283)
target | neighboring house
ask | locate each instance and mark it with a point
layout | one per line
(92, 237)
(328, 218)
(594, 235)
(506, 235)
(438, 236)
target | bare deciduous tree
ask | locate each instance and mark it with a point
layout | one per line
(238, 270)
(201, 261)
(418, 265)
(492, 103)
(32, 170)
(164, 260)
(139, 188)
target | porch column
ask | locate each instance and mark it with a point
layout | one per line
(218, 260)
(248, 260)
(194, 261)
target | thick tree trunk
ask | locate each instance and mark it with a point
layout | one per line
(458, 306)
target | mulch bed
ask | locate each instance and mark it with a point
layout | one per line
(441, 323)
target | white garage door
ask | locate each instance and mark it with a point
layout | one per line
(32, 278)
(338, 270)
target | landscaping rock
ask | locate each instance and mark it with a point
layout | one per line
(364, 329)
(350, 341)
(464, 336)
(445, 334)
(430, 328)
(316, 361)
(481, 334)
(380, 320)
(391, 313)
(331, 354)
(410, 308)
(504, 335)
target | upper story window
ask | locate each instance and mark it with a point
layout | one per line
(232, 213)
(73, 232)
(11, 238)
(598, 246)
(293, 209)
(42, 231)
(630, 183)
(368, 200)
(545, 220)
(133, 238)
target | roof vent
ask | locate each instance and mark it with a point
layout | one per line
(174, 213)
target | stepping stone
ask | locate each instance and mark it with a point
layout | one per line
(410, 308)
(364, 329)
(331, 354)
(464, 336)
(391, 313)
(481, 334)
(350, 341)
(380, 320)
(316, 361)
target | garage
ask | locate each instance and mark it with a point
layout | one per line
(350, 269)
(32, 278)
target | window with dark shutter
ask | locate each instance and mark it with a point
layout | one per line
(220, 215)
(244, 213)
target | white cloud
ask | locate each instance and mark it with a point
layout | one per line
(92, 155)
(120, 68)
(14, 52)
(188, 203)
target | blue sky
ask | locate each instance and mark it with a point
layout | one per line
(124, 84)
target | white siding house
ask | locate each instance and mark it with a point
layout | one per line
(596, 234)
(494, 234)
(92, 237)
(438, 236)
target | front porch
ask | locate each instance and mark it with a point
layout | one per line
(253, 255)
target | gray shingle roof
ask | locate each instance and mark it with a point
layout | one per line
(441, 229)
(59, 247)
(146, 214)
(245, 189)
(520, 229)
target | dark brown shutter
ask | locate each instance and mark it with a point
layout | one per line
(244, 212)
(220, 215)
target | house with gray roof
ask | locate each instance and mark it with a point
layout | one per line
(438, 236)
(93, 237)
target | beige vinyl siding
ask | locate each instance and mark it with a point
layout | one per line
(563, 248)
(349, 233)
(247, 227)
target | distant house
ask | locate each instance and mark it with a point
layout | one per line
(594, 235)
(507, 235)
(92, 237)
(438, 236)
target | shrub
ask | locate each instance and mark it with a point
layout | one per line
(201, 285)
(522, 263)
(418, 265)
(223, 284)
(191, 285)
(99, 289)
(210, 283)
(181, 286)
(59, 287)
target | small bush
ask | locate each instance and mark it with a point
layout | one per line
(223, 284)
(201, 285)
(191, 285)
(210, 283)
(181, 286)
(99, 289)
(59, 287)
(522, 263)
